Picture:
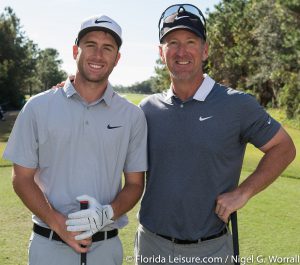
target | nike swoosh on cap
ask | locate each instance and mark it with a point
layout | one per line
(177, 18)
(101, 21)
(204, 118)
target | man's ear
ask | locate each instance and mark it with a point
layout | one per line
(75, 51)
(117, 58)
(205, 52)
(161, 53)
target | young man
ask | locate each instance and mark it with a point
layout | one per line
(197, 135)
(77, 141)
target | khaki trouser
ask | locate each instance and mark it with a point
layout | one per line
(153, 249)
(43, 251)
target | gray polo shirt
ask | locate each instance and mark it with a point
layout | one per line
(79, 148)
(195, 151)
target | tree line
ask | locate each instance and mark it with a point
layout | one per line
(254, 47)
(24, 68)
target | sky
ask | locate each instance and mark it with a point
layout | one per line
(55, 24)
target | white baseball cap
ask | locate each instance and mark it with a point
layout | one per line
(102, 23)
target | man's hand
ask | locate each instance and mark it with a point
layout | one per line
(89, 221)
(61, 84)
(69, 237)
(33, 197)
(229, 202)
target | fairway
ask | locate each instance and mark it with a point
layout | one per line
(268, 225)
(134, 98)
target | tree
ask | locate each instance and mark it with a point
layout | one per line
(48, 68)
(144, 87)
(228, 28)
(290, 93)
(290, 96)
(266, 67)
(162, 79)
(24, 68)
(30, 81)
(14, 66)
(255, 46)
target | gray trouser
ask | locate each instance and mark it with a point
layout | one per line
(43, 251)
(153, 249)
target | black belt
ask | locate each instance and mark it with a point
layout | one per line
(50, 234)
(187, 242)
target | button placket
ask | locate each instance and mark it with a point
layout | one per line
(85, 117)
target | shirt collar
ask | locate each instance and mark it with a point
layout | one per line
(201, 93)
(70, 91)
(170, 94)
(205, 88)
(108, 94)
(69, 88)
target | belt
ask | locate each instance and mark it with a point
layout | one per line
(187, 242)
(50, 234)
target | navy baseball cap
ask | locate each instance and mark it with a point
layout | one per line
(101, 23)
(182, 16)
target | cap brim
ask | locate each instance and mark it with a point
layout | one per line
(87, 30)
(195, 31)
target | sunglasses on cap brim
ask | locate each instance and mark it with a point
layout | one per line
(179, 8)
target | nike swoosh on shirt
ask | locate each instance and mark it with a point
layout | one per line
(101, 21)
(112, 127)
(204, 118)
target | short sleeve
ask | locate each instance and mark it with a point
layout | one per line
(136, 158)
(257, 126)
(22, 146)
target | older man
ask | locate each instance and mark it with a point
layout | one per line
(197, 134)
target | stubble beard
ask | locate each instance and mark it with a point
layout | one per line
(182, 76)
(96, 78)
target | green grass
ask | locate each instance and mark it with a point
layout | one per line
(279, 114)
(268, 225)
(134, 98)
(15, 223)
(5, 129)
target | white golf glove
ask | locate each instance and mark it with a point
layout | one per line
(91, 220)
